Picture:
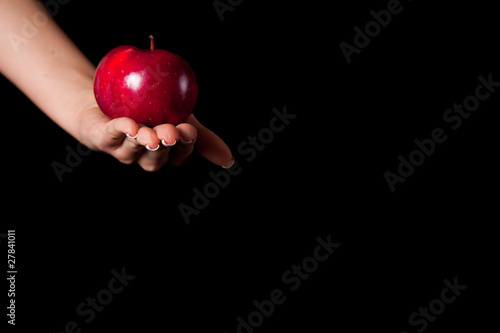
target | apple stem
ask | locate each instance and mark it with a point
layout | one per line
(152, 39)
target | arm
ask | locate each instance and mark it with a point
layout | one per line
(52, 72)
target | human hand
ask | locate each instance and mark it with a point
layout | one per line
(57, 77)
(151, 148)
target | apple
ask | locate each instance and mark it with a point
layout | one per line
(152, 87)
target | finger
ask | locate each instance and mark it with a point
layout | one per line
(147, 137)
(184, 148)
(187, 132)
(116, 130)
(211, 146)
(153, 160)
(167, 134)
(118, 139)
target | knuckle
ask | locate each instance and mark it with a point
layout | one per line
(151, 168)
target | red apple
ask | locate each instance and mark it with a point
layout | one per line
(152, 87)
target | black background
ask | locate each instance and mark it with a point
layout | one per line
(323, 175)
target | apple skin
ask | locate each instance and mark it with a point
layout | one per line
(152, 87)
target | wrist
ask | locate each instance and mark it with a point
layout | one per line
(89, 119)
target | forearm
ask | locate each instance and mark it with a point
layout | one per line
(45, 64)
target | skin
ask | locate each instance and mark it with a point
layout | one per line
(45, 62)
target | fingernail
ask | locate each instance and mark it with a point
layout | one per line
(163, 142)
(186, 142)
(131, 137)
(147, 147)
(230, 164)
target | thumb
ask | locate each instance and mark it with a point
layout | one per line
(211, 146)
